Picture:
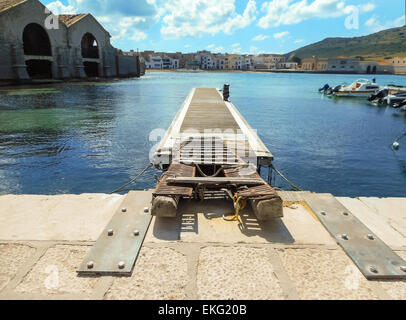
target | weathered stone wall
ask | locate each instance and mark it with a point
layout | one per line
(128, 66)
(65, 43)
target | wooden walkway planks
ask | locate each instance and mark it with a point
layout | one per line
(207, 111)
(205, 114)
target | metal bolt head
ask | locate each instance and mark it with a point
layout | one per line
(344, 236)
(403, 268)
(373, 269)
(371, 237)
(90, 265)
(146, 209)
(323, 213)
(121, 265)
(345, 213)
(124, 210)
(136, 232)
(110, 232)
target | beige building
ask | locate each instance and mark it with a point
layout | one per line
(322, 64)
(398, 64)
(315, 64)
(231, 62)
(309, 64)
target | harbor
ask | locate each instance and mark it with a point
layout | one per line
(214, 218)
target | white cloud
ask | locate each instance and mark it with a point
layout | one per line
(197, 17)
(58, 8)
(138, 36)
(260, 37)
(122, 18)
(236, 51)
(211, 46)
(281, 35)
(235, 45)
(286, 12)
(299, 40)
(375, 25)
(218, 49)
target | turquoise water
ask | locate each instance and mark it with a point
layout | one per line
(85, 138)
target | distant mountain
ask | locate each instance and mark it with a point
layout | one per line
(384, 44)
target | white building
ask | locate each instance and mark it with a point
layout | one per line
(207, 61)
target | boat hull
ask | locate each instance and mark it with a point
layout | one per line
(361, 94)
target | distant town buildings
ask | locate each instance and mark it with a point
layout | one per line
(395, 65)
(206, 60)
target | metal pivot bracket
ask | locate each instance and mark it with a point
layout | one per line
(117, 249)
(371, 255)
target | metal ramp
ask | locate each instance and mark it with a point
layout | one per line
(370, 254)
(117, 249)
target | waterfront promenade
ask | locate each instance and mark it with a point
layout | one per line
(43, 240)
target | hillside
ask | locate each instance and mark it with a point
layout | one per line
(384, 44)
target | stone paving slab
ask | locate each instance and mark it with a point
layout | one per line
(237, 273)
(325, 275)
(204, 223)
(12, 258)
(55, 274)
(393, 209)
(396, 289)
(290, 258)
(159, 274)
(53, 218)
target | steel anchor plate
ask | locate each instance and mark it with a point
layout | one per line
(371, 255)
(117, 249)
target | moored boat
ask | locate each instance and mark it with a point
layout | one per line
(360, 88)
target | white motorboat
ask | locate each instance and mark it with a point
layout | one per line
(395, 98)
(360, 88)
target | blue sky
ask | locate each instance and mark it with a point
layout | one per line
(239, 26)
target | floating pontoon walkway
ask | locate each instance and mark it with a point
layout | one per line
(205, 114)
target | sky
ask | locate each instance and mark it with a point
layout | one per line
(234, 26)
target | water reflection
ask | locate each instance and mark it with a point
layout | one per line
(80, 138)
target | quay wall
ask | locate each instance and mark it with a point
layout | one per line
(128, 66)
(198, 256)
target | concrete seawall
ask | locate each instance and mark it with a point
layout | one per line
(43, 240)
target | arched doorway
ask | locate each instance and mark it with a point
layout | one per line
(90, 50)
(374, 70)
(369, 70)
(36, 43)
(39, 69)
(90, 47)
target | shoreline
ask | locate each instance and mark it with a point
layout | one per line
(265, 71)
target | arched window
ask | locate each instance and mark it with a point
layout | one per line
(36, 41)
(90, 47)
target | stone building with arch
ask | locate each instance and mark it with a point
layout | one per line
(36, 44)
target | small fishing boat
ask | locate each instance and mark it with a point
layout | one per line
(393, 99)
(360, 88)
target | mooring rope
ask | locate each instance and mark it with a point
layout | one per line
(135, 179)
(286, 179)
